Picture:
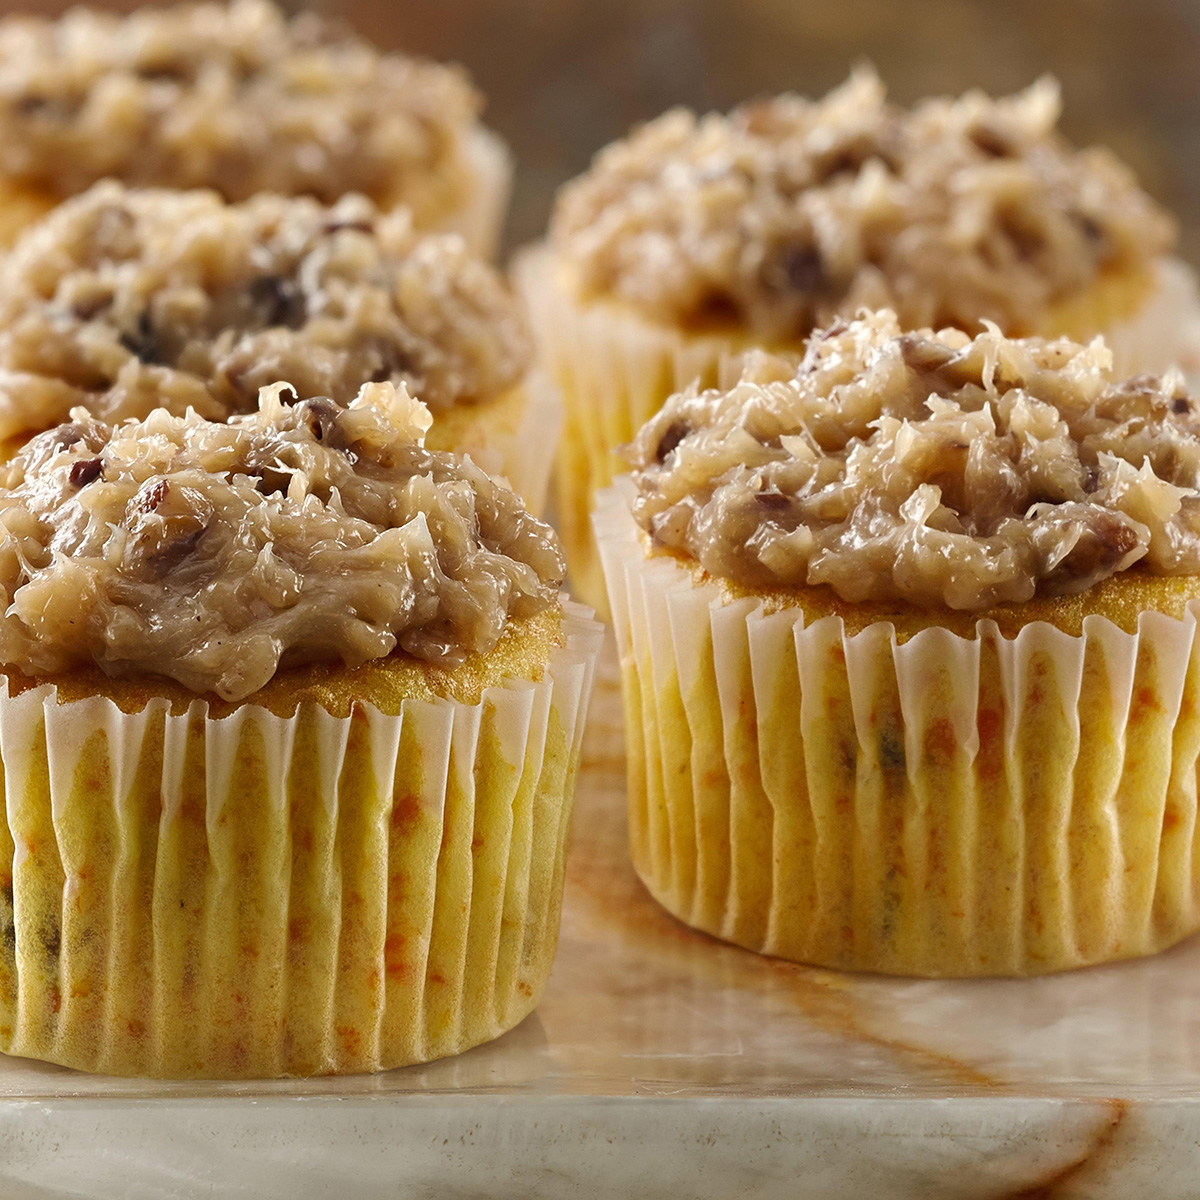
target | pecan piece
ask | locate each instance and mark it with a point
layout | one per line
(674, 434)
(85, 471)
(148, 499)
(273, 300)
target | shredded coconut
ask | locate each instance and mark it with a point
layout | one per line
(789, 212)
(217, 553)
(124, 300)
(229, 96)
(927, 467)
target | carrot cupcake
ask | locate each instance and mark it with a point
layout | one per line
(239, 98)
(697, 237)
(124, 300)
(909, 653)
(290, 714)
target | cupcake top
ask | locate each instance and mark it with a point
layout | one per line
(216, 553)
(931, 468)
(789, 212)
(234, 97)
(124, 300)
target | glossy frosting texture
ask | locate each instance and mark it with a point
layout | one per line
(215, 553)
(123, 300)
(788, 212)
(931, 468)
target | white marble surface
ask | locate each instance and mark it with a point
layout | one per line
(665, 1064)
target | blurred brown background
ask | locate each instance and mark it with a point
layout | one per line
(565, 76)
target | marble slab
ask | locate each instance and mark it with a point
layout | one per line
(663, 1063)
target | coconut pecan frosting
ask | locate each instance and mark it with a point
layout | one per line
(123, 300)
(932, 468)
(215, 553)
(235, 97)
(789, 212)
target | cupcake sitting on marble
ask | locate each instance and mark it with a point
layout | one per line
(909, 652)
(239, 98)
(125, 300)
(290, 717)
(695, 238)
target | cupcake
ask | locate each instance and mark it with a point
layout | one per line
(290, 715)
(695, 238)
(239, 98)
(909, 654)
(124, 300)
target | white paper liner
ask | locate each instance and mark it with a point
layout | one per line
(254, 896)
(481, 218)
(944, 806)
(614, 370)
(528, 456)
(1165, 330)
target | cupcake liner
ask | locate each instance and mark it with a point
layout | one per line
(513, 437)
(481, 217)
(255, 896)
(614, 370)
(1164, 329)
(529, 453)
(943, 806)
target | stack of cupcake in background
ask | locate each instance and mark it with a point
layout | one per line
(127, 299)
(240, 99)
(903, 576)
(292, 701)
(904, 581)
(695, 239)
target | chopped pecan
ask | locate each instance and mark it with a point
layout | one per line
(1106, 541)
(85, 471)
(274, 300)
(674, 434)
(148, 498)
(143, 342)
(322, 416)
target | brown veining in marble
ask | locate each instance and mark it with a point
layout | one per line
(1128, 1029)
(1051, 1187)
(604, 893)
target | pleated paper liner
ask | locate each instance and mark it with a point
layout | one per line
(615, 370)
(257, 896)
(513, 436)
(481, 215)
(942, 806)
